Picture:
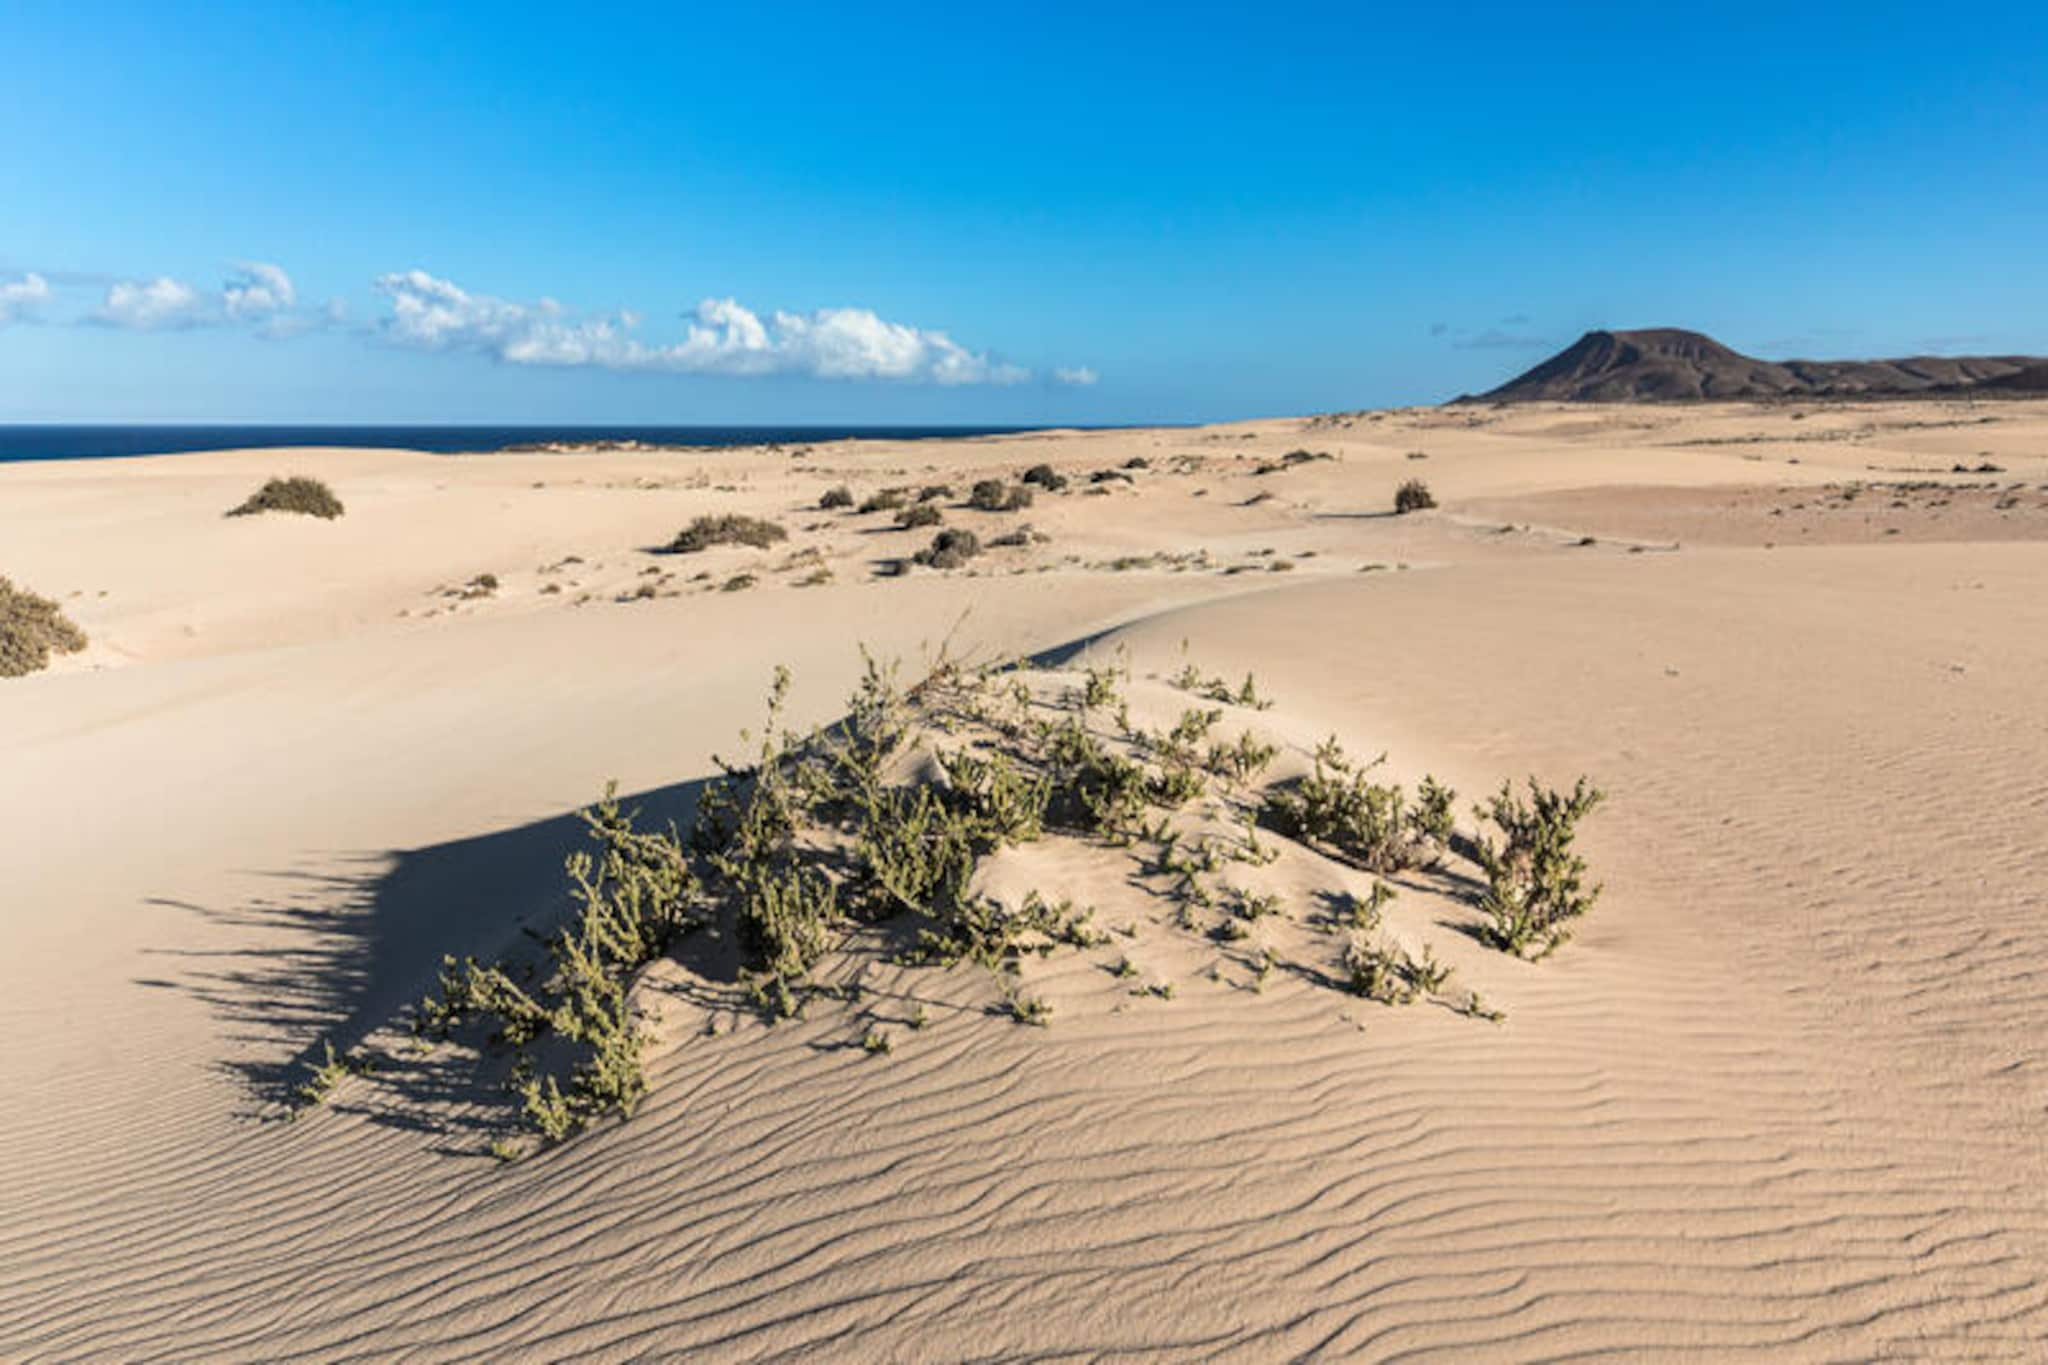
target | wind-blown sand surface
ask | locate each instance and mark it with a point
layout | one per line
(1783, 1093)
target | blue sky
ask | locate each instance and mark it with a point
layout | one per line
(666, 213)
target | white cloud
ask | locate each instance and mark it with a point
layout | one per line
(257, 290)
(20, 298)
(722, 336)
(1080, 376)
(158, 303)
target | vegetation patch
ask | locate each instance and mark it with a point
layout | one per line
(859, 847)
(838, 496)
(308, 497)
(993, 495)
(728, 529)
(950, 549)
(32, 629)
(1413, 496)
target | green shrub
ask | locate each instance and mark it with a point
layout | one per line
(631, 900)
(888, 500)
(32, 628)
(309, 497)
(950, 549)
(840, 496)
(728, 529)
(1535, 883)
(1340, 806)
(1413, 496)
(920, 515)
(1386, 972)
(1046, 477)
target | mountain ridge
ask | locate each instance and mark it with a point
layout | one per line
(1672, 364)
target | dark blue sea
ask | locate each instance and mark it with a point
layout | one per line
(23, 442)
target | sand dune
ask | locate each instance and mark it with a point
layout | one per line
(1782, 1095)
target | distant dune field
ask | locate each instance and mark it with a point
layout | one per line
(1781, 1095)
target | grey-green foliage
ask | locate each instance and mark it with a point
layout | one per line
(1339, 805)
(1386, 972)
(633, 896)
(1535, 882)
(32, 628)
(308, 497)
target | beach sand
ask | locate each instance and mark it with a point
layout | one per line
(1782, 1095)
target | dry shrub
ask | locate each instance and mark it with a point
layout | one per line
(950, 549)
(308, 497)
(1413, 496)
(32, 628)
(705, 532)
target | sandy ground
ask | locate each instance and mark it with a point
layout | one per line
(1784, 1093)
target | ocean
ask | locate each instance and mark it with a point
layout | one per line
(25, 442)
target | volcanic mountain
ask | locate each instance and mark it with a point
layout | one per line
(1665, 364)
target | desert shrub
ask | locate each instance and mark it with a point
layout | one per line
(1535, 883)
(1339, 805)
(32, 628)
(993, 495)
(1386, 972)
(309, 497)
(932, 492)
(1413, 496)
(1046, 477)
(631, 900)
(727, 529)
(1291, 459)
(888, 500)
(950, 549)
(840, 496)
(922, 514)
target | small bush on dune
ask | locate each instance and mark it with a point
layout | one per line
(923, 514)
(1046, 477)
(705, 532)
(950, 549)
(842, 496)
(1413, 496)
(308, 497)
(993, 495)
(888, 500)
(32, 628)
(1535, 883)
(1339, 805)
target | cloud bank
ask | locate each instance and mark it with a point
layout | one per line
(256, 292)
(721, 336)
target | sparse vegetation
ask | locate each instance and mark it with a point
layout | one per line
(920, 515)
(308, 497)
(32, 629)
(888, 500)
(1046, 477)
(1413, 496)
(727, 529)
(799, 853)
(839, 496)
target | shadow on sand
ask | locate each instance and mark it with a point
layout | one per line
(345, 957)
